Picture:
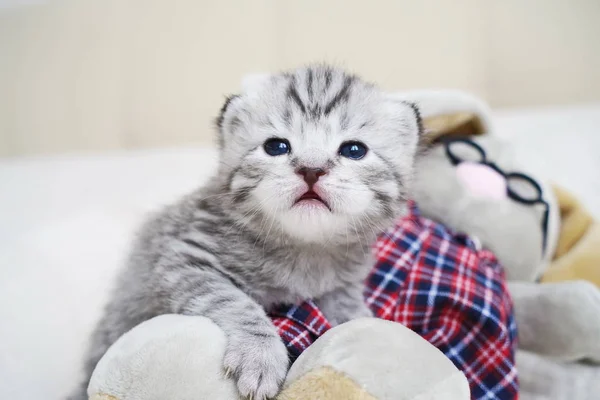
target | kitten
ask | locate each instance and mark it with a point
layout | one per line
(314, 163)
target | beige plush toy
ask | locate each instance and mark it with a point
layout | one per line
(539, 234)
(175, 357)
(574, 252)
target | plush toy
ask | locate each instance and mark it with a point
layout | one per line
(180, 357)
(474, 185)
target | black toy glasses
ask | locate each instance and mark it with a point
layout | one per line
(519, 187)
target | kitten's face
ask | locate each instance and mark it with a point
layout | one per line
(317, 154)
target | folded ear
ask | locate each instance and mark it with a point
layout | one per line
(220, 120)
(228, 100)
(409, 109)
(417, 113)
(254, 82)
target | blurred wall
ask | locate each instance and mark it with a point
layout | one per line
(106, 74)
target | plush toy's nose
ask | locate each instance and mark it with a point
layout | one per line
(481, 180)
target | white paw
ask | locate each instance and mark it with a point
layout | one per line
(259, 365)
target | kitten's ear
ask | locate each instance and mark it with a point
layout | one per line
(417, 113)
(221, 117)
(253, 82)
(219, 121)
(422, 142)
(398, 102)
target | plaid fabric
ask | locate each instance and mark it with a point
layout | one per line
(440, 285)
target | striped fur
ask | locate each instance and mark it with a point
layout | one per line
(237, 246)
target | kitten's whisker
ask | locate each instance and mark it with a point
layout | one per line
(262, 225)
(358, 236)
(383, 230)
(271, 226)
(372, 225)
(348, 188)
(347, 242)
(362, 228)
(254, 210)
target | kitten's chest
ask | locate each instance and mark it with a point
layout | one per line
(299, 275)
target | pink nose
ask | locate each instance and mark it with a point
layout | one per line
(311, 175)
(481, 180)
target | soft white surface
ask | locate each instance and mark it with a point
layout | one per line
(65, 224)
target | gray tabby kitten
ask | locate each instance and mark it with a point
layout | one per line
(314, 163)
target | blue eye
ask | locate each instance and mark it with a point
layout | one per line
(353, 150)
(277, 147)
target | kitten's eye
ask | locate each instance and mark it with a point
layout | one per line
(353, 150)
(277, 147)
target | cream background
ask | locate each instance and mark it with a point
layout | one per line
(91, 75)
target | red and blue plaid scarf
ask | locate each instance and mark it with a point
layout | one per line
(439, 284)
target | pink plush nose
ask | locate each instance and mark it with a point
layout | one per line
(481, 180)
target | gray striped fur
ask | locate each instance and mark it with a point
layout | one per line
(238, 246)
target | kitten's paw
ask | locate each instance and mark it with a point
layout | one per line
(259, 365)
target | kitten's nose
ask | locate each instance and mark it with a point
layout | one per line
(311, 175)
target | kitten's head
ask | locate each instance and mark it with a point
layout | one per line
(317, 154)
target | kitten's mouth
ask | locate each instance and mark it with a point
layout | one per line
(312, 197)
